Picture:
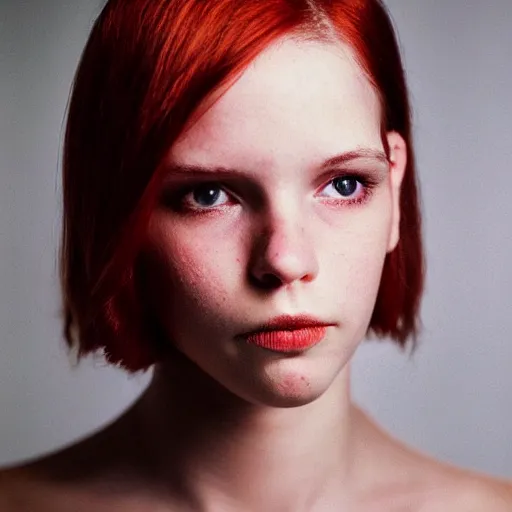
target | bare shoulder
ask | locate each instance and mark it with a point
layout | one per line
(405, 480)
(5, 506)
(104, 472)
(444, 487)
(12, 490)
(467, 492)
(23, 490)
(87, 475)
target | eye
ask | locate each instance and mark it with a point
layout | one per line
(204, 196)
(348, 187)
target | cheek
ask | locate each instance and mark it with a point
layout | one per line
(357, 264)
(195, 272)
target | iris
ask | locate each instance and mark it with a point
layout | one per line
(345, 186)
(206, 195)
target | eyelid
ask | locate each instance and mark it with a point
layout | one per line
(174, 195)
(215, 185)
(236, 187)
(369, 178)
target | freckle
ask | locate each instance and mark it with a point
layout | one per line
(291, 386)
(303, 379)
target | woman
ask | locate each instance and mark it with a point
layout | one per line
(240, 210)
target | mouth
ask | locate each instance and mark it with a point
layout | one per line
(288, 333)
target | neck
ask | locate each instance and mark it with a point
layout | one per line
(218, 448)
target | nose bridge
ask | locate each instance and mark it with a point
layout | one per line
(286, 232)
(285, 249)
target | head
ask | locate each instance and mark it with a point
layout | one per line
(302, 105)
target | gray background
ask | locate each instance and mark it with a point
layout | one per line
(451, 399)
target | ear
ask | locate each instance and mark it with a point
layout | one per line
(398, 163)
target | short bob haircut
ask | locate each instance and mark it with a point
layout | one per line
(146, 68)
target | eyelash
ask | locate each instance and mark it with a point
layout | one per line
(175, 199)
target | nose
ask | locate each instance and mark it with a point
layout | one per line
(283, 254)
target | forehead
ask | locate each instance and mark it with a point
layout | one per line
(295, 99)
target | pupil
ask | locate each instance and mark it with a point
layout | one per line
(206, 195)
(345, 186)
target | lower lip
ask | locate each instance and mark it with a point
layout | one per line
(288, 341)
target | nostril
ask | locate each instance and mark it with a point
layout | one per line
(266, 281)
(271, 280)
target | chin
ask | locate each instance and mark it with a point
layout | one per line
(289, 401)
(286, 388)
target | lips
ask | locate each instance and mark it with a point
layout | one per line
(288, 333)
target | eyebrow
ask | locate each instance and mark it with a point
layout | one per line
(349, 156)
(337, 160)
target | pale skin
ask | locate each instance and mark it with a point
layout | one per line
(226, 426)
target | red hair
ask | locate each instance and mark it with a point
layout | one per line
(147, 66)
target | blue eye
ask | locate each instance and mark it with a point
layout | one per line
(203, 197)
(345, 190)
(206, 195)
(346, 187)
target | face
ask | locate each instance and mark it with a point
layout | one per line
(278, 200)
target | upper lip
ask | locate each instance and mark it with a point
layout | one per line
(289, 323)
